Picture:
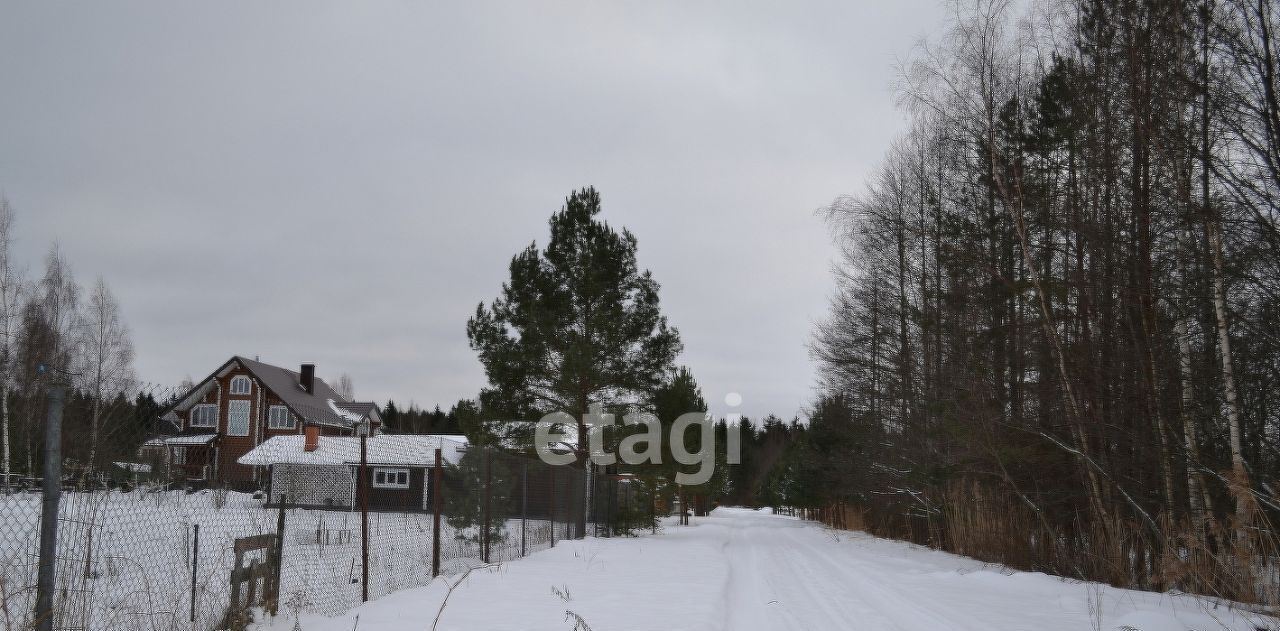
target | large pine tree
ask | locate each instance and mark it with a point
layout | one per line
(577, 324)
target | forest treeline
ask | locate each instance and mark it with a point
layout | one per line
(53, 330)
(1053, 342)
(412, 419)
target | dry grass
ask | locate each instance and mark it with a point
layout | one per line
(990, 524)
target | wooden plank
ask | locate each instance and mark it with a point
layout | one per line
(264, 570)
(254, 570)
(255, 542)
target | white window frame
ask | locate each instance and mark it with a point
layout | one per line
(390, 473)
(231, 408)
(248, 384)
(179, 455)
(195, 411)
(273, 423)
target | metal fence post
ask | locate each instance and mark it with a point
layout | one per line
(653, 508)
(435, 515)
(683, 508)
(46, 580)
(364, 520)
(488, 487)
(195, 566)
(588, 502)
(273, 602)
(524, 504)
(610, 502)
(88, 550)
(553, 505)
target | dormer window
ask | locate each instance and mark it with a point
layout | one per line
(240, 385)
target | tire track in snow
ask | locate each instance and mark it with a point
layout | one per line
(901, 604)
(775, 581)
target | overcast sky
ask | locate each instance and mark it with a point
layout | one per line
(343, 184)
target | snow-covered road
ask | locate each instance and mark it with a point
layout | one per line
(748, 570)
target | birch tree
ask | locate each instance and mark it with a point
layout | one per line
(10, 292)
(59, 297)
(48, 341)
(107, 358)
(345, 387)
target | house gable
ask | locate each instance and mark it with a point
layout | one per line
(270, 386)
(234, 407)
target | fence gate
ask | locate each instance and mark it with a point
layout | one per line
(265, 569)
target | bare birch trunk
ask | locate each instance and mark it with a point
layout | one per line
(1199, 502)
(93, 433)
(96, 417)
(1239, 473)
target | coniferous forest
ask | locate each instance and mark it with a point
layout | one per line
(1053, 338)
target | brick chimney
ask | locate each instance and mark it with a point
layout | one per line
(312, 438)
(308, 376)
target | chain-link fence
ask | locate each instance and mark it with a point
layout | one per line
(477, 506)
(329, 521)
(129, 559)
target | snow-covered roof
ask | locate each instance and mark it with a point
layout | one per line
(347, 411)
(401, 449)
(171, 417)
(457, 438)
(190, 439)
(134, 467)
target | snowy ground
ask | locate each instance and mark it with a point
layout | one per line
(748, 570)
(125, 559)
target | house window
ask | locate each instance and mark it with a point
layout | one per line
(204, 415)
(238, 418)
(179, 455)
(240, 385)
(279, 418)
(390, 478)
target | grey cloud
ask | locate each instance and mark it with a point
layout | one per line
(342, 183)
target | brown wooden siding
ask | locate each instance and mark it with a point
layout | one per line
(228, 449)
(410, 499)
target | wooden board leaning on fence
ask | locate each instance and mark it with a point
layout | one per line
(265, 569)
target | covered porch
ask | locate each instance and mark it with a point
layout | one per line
(192, 457)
